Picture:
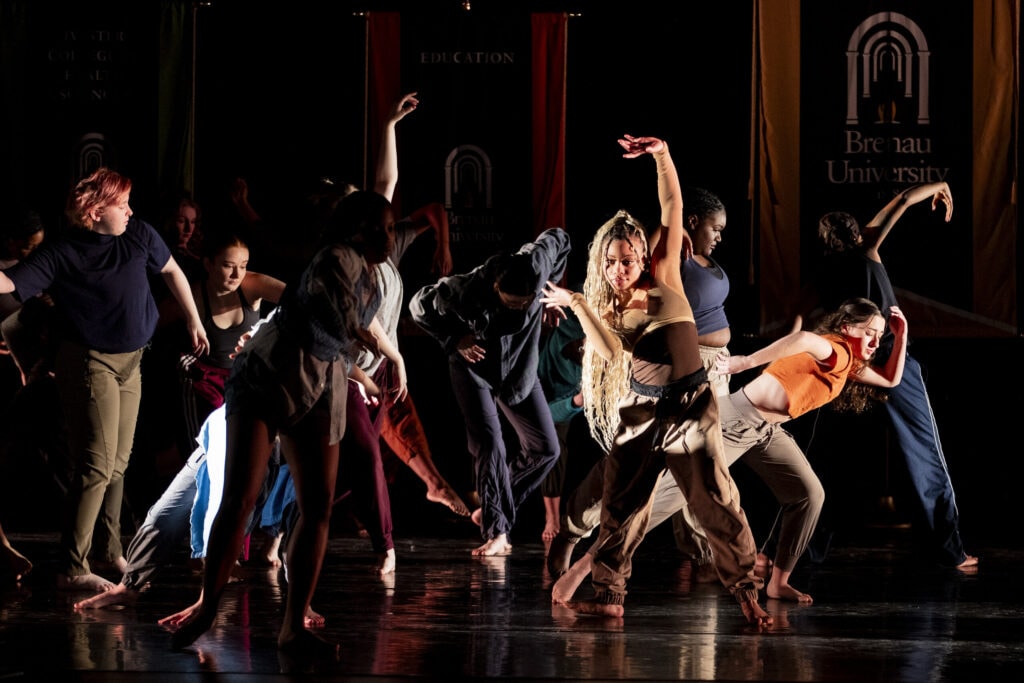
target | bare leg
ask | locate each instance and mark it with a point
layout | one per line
(778, 587)
(565, 587)
(498, 545)
(248, 451)
(478, 517)
(551, 523)
(438, 490)
(559, 555)
(313, 462)
(272, 551)
(118, 595)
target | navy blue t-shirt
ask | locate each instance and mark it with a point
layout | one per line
(99, 283)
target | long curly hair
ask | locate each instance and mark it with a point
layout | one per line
(605, 382)
(856, 397)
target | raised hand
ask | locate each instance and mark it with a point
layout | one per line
(406, 105)
(638, 146)
(945, 196)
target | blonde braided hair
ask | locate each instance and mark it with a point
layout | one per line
(605, 382)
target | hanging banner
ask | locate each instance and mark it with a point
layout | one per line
(885, 106)
(872, 98)
(471, 143)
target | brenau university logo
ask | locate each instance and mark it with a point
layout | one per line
(887, 138)
(887, 70)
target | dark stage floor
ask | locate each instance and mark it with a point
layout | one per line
(880, 615)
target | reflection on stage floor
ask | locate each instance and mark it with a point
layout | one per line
(880, 614)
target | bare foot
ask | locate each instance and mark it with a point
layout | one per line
(14, 563)
(303, 646)
(313, 619)
(969, 565)
(118, 595)
(755, 615)
(498, 545)
(478, 517)
(84, 582)
(565, 587)
(599, 609)
(445, 495)
(780, 590)
(269, 554)
(559, 556)
(386, 562)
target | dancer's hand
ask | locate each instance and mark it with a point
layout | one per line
(636, 147)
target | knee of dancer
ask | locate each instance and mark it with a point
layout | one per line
(816, 496)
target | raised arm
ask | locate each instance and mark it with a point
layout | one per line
(890, 374)
(878, 228)
(386, 174)
(672, 243)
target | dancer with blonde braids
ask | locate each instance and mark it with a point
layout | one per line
(667, 414)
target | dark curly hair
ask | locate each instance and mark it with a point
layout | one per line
(838, 231)
(856, 397)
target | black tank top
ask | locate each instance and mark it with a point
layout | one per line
(223, 341)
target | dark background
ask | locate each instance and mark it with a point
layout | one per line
(280, 99)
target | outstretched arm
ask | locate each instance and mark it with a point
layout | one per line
(386, 175)
(603, 340)
(878, 228)
(793, 343)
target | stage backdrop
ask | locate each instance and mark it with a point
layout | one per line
(87, 84)
(488, 138)
(878, 97)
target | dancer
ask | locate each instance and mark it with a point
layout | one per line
(98, 276)
(289, 380)
(653, 409)
(805, 371)
(489, 321)
(852, 266)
